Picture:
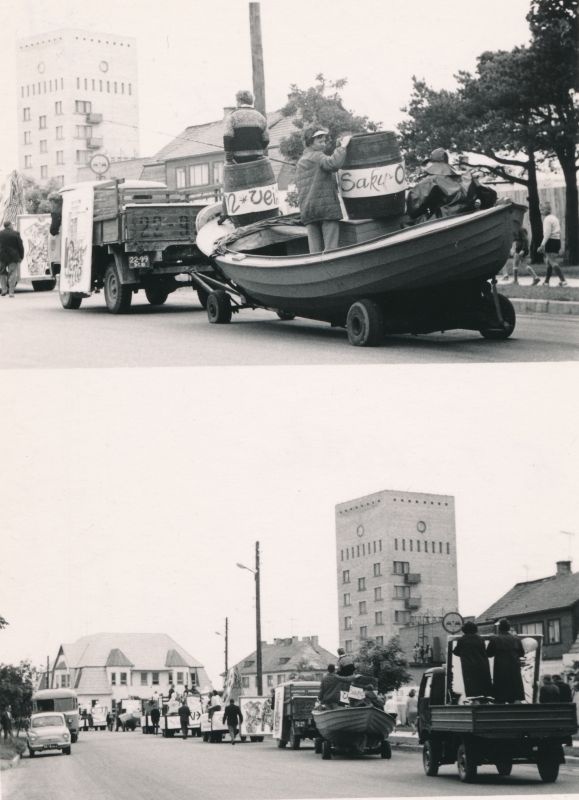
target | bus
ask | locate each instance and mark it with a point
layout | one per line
(63, 700)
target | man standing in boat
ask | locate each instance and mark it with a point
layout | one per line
(317, 187)
(245, 136)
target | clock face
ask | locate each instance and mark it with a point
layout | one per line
(104, 66)
(360, 530)
(41, 67)
(421, 526)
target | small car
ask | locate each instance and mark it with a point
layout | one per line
(48, 731)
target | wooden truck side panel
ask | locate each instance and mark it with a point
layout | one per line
(514, 720)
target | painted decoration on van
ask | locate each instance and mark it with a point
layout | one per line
(34, 230)
(278, 712)
(76, 238)
(257, 716)
(373, 181)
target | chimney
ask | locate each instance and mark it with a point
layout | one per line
(227, 111)
(563, 568)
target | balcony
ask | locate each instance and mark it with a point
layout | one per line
(94, 144)
(412, 578)
(413, 603)
(94, 119)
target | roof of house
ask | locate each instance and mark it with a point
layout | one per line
(141, 651)
(556, 591)
(128, 168)
(288, 655)
(92, 680)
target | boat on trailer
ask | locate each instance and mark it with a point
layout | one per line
(434, 276)
(355, 729)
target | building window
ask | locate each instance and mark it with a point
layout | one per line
(26, 114)
(60, 156)
(402, 617)
(83, 131)
(553, 631)
(270, 680)
(245, 682)
(362, 609)
(65, 681)
(113, 678)
(380, 640)
(199, 175)
(378, 620)
(27, 162)
(401, 592)
(42, 122)
(377, 593)
(180, 175)
(396, 544)
(155, 679)
(418, 545)
(401, 567)
(347, 623)
(280, 678)
(82, 156)
(404, 544)
(123, 678)
(361, 584)
(532, 628)
(447, 549)
(364, 632)
(44, 172)
(59, 180)
(348, 646)
(346, 576)
(58, 107)
(144, 676)
(27, 137)
(193, 677)
(347, 599)
(59, 132)
(180, 676)
(218, 172)
(377, 570)
(82, 106)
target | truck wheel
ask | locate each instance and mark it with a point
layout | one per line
(365, 324)
(66, 751)
(318, 745)
(117, 297)
(466, 764)
(156, 295)
(285, 316)
(74, 737)
(326, 750)
(430, 759)
(219, 307)
(281, 743)
(548, 764)
(205, 737)
(44, 286)
(202, 296)
(295, 741)
(494, 330)
(504, 767)
(70, 300)
(385, 749)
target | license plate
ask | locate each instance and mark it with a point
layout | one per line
(139, 262)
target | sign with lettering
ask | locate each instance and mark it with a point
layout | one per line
(252, 201)
(452, 622)
(356, 693)
(372, 181)
(33, 229)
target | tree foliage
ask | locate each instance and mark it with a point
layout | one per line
(320, 105)
(36, 196)
(17, 687)
(3, 623)
(386, 663)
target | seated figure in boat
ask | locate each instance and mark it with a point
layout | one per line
(374, 698)
(444, 192)
(245, 136)
(331, 686)
(318, 199)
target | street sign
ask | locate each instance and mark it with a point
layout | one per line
(99, 163)
(452, 622)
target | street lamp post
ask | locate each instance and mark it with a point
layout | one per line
(226, 637)
(258, 661)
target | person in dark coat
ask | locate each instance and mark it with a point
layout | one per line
(184, 716)
(346, 664)
(507, 651)
(245, 136)
(232, 718)
(331, 686)
(11, 254)
(549, 693)
(476, 672)
(155, 717)
(317, 187)
(565, 693)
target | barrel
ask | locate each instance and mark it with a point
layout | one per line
(250, 191)
(373, 178)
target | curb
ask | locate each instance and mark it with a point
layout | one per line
(560, 307)
(5, 764)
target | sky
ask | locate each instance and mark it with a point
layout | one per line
(193, 56)
(129, 496)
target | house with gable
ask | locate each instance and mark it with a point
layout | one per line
(547, 606)
(105, 668)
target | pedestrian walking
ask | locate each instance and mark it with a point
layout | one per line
(551, 244)
(11, 254)
(155, 717)
(6, 723)
(507, 652)
(412, 709)
(110, 720)
(318, 199)
(184, 717)
(549, 693)
(232, 717)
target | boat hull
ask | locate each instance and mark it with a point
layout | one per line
(349, 724)
(458, 251)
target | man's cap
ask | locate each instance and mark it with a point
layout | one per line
(438, 156)
(320, 132)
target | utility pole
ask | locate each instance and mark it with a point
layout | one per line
(257, 58)
(259, 677)
(226, 645)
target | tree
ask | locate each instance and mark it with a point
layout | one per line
(3, 623)
(386, 663)
(16, 688)
(36, 196)
(320, 105)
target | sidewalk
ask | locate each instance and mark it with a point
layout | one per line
(409, 741)
(542, 304)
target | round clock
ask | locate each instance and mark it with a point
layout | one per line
(41, 67)
(360, 530)
(104, 66)
(421, 526)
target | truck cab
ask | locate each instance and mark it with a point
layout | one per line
(293, 706)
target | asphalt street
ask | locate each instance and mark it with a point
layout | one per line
(36, 332)
(125, 766)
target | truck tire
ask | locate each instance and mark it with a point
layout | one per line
(326, 750)
(318, 745)
(504, 767)
(117, 297)
(295, 741)
(74, 737)
(465, 762)
(548, 760)
(156, 295)
(430, 758)
(66, 751)
(385, 749)
(365, 324)
(219, 307)
(70, 300)
(494, 330)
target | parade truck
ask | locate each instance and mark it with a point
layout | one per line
(213, 728)
(471, 732)
(293, 706)
(171, 722)
(39, 245)
(123, 237)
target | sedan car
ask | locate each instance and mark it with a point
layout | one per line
(48, 731)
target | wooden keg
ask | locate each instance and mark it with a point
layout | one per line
(250, 191)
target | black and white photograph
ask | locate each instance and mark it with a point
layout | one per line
(290, 327)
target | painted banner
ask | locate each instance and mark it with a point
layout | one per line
(372, 181)
(251, 201)
(76, 233)
(34, 230)
(257, 716)
(278, 712)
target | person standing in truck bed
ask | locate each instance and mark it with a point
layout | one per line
(507, 651)
(476, 673)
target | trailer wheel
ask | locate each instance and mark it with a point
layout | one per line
(317, 745)
(495, 330)
(219, 307)
(504, 767)
(202, 296)
(365, 324)
(466, 764)
(156, 295)
(117, 297)
(430, 758)
(70, 300)
(326, 750)
(295, 741)
(285, 316)
(548, 760)
(385, 749)
(44, 286)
